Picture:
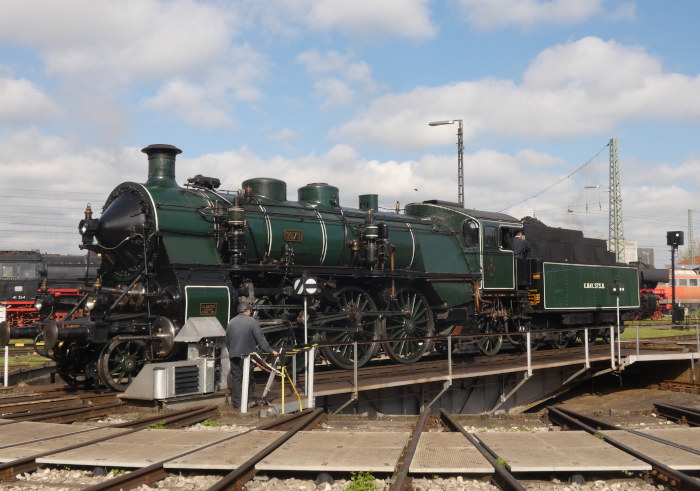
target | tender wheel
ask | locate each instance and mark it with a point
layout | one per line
(516, 335)
(561, 342)
(73, 362)
(594, 334)
(407, 331)
(120, 362)
(490, 345)
(351, 319)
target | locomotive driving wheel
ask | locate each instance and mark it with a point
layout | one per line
(121, 360)
(352, 320)
(274, 321)
(409, 331)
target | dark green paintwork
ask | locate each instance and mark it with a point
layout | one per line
(498, 264)
(575, 286)
(208, 301)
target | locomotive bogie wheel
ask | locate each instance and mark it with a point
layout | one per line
(358, 324)
(71, 360)
(409, 332)
(120, 361)
(490, 345)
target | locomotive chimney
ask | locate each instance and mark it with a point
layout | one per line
(161, 165)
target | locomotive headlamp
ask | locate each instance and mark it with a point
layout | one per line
(87, 227)
(44, 301)
(90, 302)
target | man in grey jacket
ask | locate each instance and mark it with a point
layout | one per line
(244, 336)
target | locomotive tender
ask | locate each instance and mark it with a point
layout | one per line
(170, 253)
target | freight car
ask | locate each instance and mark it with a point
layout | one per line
(388, 281)
(30, 279)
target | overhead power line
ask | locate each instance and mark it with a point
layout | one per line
(559, 181)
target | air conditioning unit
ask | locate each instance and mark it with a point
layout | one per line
(204, 371)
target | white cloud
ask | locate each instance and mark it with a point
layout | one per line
(366, 20)
(129, 39)
(372, 19)
(527, 14)
(22, 101)
(107, 51)
(579, 88)
(341, 80)
(190, 103)
(285, 134)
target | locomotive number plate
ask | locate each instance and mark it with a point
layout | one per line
(292, 235)
(534, 298)
(207, 309)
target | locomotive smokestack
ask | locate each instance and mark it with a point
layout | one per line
(161, 165)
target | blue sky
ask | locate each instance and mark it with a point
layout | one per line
(342, 92)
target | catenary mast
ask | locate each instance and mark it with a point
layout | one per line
(616, 235)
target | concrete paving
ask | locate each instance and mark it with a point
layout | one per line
(338, 451)
(448, 453)
(673, 457)
(559, 451)
(137, 449)
(25, 446)
(228, 455)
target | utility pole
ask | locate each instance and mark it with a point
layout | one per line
(691, 239)
(460, 156)
(616, 235)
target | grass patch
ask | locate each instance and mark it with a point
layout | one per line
(651, 332)
(361, 481)
(31, 360)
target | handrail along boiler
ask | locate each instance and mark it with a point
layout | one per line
(171, 252)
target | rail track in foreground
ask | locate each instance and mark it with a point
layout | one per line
(506, 462)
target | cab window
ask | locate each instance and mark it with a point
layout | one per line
(490, 237)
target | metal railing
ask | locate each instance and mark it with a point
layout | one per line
(582, 334)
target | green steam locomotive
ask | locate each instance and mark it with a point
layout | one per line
(375, 282)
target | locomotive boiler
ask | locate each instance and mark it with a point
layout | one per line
(384, 283)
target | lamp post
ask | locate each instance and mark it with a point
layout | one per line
(674, 239)
(460, 157)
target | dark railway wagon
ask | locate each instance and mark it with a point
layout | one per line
(55, 280)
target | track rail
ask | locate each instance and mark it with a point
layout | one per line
(679, 414)
(502, 478)
(155, 472)
(28, 464)
(661, 472)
